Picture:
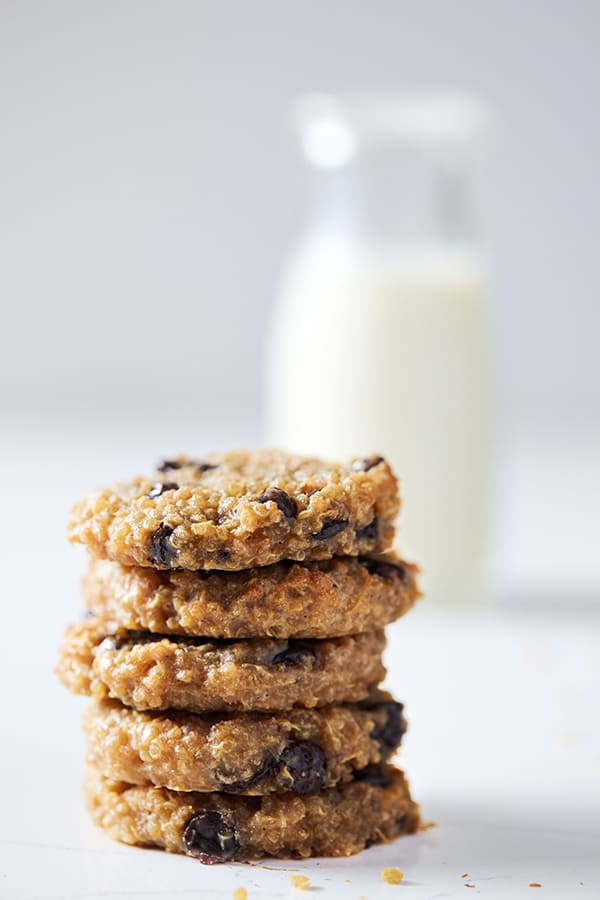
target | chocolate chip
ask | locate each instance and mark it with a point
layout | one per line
(377, 776)
(161, 487)
(389, 733)
(222, 556)
(163, 552)
(387, 570)
(295, 654)
(209, 838)
(330, 528)
(168, 465)
(285, 503)
(303, 768)
(369, 532)
(365, 465)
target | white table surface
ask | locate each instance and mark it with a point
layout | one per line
(503, 750)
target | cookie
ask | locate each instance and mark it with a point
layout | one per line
(301, 750)
(148, 671)
(241, 509)
(346, 595)
(217, 827)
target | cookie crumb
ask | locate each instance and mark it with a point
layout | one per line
(301, 882)
(534, 884)
(392, 876)
(469, 884)
(465, 875)
(240, 894)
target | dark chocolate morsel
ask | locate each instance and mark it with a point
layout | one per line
(295, 654)
(365, 465)
(285, 503)
(222, 556)
(330, 528)
(204, 467)
(389, 734)
(302, 768)
(369, 532)
(163, 552)
(161, 487)
(168, 465)
(375, 775)
(387, 570)
(209, 838)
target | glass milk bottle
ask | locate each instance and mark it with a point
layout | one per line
(377, 340)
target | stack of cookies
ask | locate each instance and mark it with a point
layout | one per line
(233, 650)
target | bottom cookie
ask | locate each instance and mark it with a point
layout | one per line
(340, 821)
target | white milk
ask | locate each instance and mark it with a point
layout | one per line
(380, 348)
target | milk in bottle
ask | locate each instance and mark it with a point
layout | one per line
(378, 341)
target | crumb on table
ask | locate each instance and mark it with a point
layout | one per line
(392, 876)
(534, 884)
(301, 882)
(240, 893)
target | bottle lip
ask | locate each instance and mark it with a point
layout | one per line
(332, 127)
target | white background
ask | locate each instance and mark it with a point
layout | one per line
(149, 185)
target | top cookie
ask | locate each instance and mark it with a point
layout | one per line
(241, 509)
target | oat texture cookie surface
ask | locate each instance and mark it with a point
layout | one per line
(241, 509)
(148, 671)
(299, 750)
(333, 597)
(217, 827)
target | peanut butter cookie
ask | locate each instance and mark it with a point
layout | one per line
(301, 750)
(147, 671)
(217, 827)
(345, 595)
(241, 509)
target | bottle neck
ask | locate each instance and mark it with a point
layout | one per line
(398, 195)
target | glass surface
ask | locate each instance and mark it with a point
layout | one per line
(378, 335)
(394, 166)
